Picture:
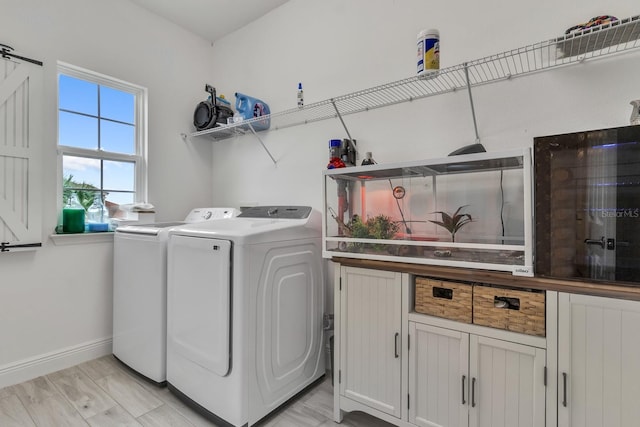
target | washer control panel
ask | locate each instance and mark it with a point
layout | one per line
(280, 212)
(210, 214)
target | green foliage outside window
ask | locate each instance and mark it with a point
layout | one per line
(86, 192)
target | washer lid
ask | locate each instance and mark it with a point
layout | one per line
(150, 229)
(259, 226)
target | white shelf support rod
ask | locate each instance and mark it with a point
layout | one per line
(261, 143)
(353, 146)
(473, 110)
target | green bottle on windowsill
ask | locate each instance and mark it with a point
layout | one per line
(73, 215)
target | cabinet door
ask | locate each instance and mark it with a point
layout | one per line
(598, 361)
(370, 339)
(507, 384)
(438, 376)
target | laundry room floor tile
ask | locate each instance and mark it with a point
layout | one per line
(13, 413)
(84, 394)
(115, 416)
(100, 368)
(162, 416)
(105, 393)
(129, 394)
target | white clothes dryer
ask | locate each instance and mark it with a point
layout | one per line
(245, 306)
(140, 291)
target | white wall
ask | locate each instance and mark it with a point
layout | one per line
(55, 304)
(335, 47)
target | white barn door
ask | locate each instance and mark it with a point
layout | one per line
(20, 155)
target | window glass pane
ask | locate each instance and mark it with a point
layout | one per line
(81, 172)
(116, 198)
(117, 137)
(78, 95)
(119, 176)
(119, 198)
(113, 201)
(79, 131)
(116, 104)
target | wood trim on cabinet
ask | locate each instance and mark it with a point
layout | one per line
(609, 290)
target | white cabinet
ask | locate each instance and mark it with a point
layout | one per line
(412, 369)
(438, 376)
(370, 338)
(459, 379)
(507, 384)
(598, 362)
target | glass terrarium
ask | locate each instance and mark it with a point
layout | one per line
(471, 210)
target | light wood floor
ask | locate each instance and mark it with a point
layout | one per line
(102, 392)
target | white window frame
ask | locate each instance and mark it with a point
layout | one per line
(140, 121)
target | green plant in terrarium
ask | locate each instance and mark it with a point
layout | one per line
(453, 223)
(379, 227)
(357, 228)
(382, 227)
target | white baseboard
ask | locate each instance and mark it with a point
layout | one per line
(27, 369)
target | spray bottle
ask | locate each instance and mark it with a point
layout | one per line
(300, 96)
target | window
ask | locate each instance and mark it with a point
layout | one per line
(101, 139)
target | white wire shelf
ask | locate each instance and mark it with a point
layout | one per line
(597, 42)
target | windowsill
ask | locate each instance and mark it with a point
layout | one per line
(81, 238)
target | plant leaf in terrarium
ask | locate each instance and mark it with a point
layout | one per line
(453, 223)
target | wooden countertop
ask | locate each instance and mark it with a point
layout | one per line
(610, 290)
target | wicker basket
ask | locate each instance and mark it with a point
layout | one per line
(510, 309)
(451, 300)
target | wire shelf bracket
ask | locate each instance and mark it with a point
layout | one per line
(353, 146)
(262, 143)
(473, 110)
(228, 131)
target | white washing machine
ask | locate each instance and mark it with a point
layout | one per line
(245, 305)
(140, 291)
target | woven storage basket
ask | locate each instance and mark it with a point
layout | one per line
(451, 300)
(510, 309)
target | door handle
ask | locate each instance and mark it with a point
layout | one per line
(464, 378)
(396, 345)
(602, 242)
(473, 392)
(564, 387)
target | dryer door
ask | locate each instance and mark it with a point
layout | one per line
(199, 300)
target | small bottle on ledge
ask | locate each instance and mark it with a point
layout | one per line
(368, 159)
(98, 215)
(300, 96)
